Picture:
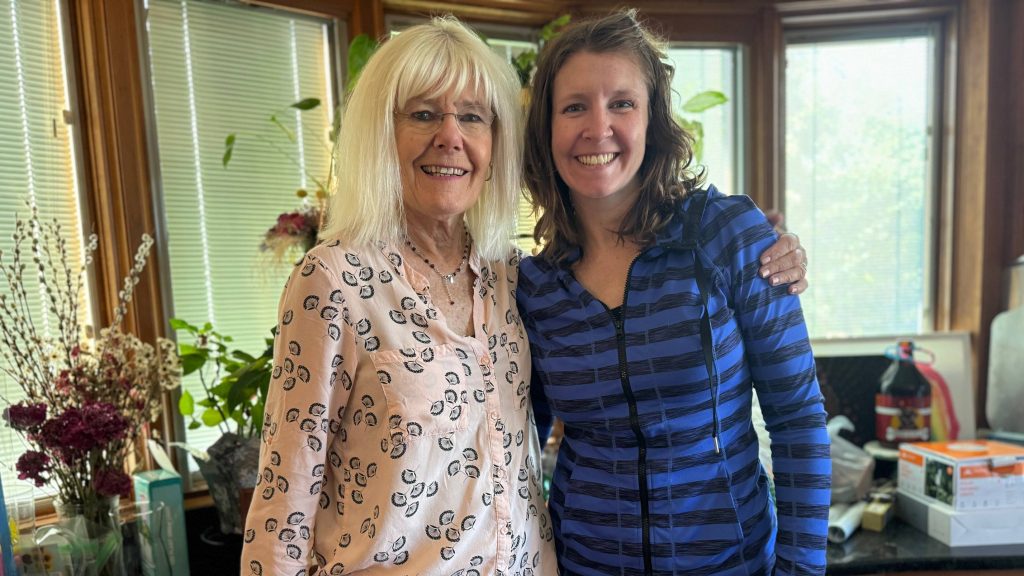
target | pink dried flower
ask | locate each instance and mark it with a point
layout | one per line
(76, 431)
(111, 482)
(25, 417)
(34, 465)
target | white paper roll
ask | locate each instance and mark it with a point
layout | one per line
(844, 520)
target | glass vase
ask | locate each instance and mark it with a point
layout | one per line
(94, 536)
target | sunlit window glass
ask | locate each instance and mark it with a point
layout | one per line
(859, 179)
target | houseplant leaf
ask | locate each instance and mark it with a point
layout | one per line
(192, 362)
(306, 104)
(703, 101)
(229, 148)
(359, 52)
(186, 404)
(212, 417)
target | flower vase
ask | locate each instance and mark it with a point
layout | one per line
(94, 535)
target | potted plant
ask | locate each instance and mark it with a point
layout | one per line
(234, 387)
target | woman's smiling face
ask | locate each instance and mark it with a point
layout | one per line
(599, 123)
(443, 169)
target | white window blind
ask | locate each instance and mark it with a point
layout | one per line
(713, 68)
(508, 49)
(218, 68)
(36, 160)
(859, 179)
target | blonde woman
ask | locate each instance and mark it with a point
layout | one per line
(398, 437)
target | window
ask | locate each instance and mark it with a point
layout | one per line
(713, 68)
(218, 68)
(860, 168)
(37, 163)
(509, 48)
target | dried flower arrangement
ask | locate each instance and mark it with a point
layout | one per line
(86, 398)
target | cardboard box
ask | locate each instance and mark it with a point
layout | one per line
(876, 515)
(965, 475)
(165, 486)
(982, 527)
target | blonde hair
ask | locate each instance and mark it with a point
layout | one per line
(424, 61)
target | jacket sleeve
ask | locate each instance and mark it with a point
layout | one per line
(544, 420)
(782, 368)
(314, 361)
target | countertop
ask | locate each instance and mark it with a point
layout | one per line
(902, 548)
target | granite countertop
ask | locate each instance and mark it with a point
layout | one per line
(901, 547)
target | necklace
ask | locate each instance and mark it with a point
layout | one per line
(446, 279)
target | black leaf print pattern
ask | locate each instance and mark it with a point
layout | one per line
(363, 327)
(360, 347)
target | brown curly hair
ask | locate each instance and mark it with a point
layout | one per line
(665, 174)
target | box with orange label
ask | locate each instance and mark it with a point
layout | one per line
(965, 474)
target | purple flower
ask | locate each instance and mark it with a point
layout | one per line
(77, 431)
(25, 417)
(111, 482)
(33, 465)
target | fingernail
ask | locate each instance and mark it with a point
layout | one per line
(792, 290)
(763, 272)
(775, 281)
(766, 259)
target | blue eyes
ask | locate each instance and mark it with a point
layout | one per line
(429, 117)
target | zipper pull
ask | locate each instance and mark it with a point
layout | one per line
(717, 448)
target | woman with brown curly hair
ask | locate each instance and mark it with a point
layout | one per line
(651, 324)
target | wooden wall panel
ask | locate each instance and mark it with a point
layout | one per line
(983, 181)
(533, 13)
(1015, 157)
(112, 123)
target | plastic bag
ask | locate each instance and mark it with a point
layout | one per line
(852, 467)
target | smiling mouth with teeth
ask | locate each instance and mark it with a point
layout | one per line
(443, 171)
(596, 159)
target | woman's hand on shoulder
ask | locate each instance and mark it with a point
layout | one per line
(785, 262)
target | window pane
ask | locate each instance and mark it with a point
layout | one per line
(509, 49)
(220, 68)
(700, 69)
(36, 161)
(859, 186)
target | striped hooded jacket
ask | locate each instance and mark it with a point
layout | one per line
(658, 470)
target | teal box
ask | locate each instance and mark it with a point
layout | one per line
(165, 486)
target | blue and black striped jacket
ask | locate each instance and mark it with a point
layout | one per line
(658, 471)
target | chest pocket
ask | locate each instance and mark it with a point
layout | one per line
(510, 356)
(427, 389)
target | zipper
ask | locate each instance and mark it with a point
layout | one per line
(634, 422)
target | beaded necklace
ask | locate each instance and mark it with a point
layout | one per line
(447, 279)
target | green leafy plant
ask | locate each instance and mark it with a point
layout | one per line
(234, 382)
(695, 105)
(525, 62)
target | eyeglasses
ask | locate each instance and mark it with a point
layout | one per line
(427, 122)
